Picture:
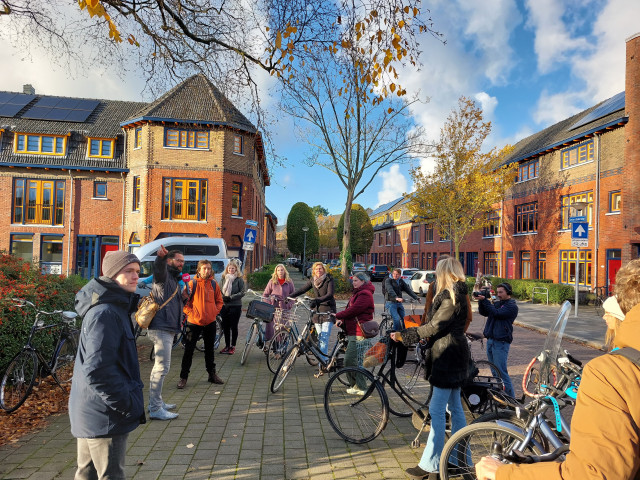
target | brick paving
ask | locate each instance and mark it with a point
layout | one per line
(240, 430)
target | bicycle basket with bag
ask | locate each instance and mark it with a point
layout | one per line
(261, 310)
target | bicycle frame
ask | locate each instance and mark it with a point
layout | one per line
(327, 361)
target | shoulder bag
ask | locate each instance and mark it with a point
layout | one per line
(148, 307)
(370, 328)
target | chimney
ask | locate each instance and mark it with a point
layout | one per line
(28, 89)
(631, 173)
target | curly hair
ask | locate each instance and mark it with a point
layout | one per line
(627, 287)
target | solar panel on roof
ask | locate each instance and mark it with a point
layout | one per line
(12, 103)
(611, 105)
(87, 105)
(37, 112)
(58, 114)
(77, 116)
(62, 109)
(48, 102)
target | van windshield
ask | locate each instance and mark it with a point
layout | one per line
(190, 267)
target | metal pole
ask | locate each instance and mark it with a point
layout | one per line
(304, 251)
(577, 275)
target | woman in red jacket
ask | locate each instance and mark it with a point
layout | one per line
(359, 309)
(203, 306)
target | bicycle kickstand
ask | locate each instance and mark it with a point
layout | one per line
(415, 443)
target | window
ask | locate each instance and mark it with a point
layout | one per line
(379, 239)
(236, 199)
(396, 237)
(398, 261)
(444, 233)
(527, 218)
(238, 144)
(568, 200)
(525, 264)
(615, 201)
(136, 193)
(415, 260)
(492, 263)
(415, 235)
(528, 170)
(137, 142)
(428, 233)
(396, 216)
(493, 229)
(184, 199)
(542, 264)
(38, 201)
(40, 144)
(134, 242)
(577, 155)
(22, 246)
(99, 189)
(388, 238)
(186, 139)
(51, 254)
(101, 148)
(568, 267)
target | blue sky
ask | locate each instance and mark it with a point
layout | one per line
(529, 63)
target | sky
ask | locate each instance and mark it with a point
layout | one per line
(528, 63)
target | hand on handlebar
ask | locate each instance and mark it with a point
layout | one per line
(486, 468)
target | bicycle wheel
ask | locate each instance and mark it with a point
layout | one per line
(412, 385)
(18, 380)
(285, 367)
(251, 337)
(476, 394)
(386, 324)
(65, 358)
(278, 347)
(598, 306)
(467, 446)
(356, 418)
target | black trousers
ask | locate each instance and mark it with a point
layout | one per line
(192, 335)
(230, 317)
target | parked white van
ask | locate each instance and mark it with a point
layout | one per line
(193, 249)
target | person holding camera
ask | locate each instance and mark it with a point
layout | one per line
(499, 328)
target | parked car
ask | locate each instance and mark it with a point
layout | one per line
(358, 267)
(420, 281)
(379, 272)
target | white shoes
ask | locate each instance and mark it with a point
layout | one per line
(355, 391)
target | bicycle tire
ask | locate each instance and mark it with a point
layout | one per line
(279, 345)
(18, 380)
(597, 304)
(65, 358)
(468, 445)
(512, 417)
(412, 384)
(356, 419)
(386, 324)
(285, 367)
(251, 334)
(476, 394)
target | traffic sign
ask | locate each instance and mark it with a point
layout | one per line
(580, 230)
(581, 218)
(253, 223)
(247, 246)
(250, 235)
(577, 242)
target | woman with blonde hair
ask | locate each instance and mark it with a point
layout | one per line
(450, 353)
(233, 289)
(322, 283)
(276, 292)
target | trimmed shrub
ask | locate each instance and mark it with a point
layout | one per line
(340, 284)
(20, 279)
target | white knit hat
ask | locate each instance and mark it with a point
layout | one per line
(611, 307)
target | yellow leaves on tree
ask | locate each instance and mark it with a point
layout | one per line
(95, 9)
(465, 184)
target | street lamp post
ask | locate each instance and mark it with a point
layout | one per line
(304, 250)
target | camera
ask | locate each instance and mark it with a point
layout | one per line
(485, 292)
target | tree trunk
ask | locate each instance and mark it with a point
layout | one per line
(346, 234)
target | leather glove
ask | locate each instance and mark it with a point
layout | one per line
(314, 303)
(226, 299)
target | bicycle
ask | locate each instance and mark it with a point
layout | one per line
(386, 324)
(360, 419)
(305, 345)
(28, 364)
(286, 332)
(600, 297)
(179, 338)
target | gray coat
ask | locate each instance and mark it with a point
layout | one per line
(237, 292)
(164, 284)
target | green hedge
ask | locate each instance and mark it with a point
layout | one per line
(340, 284)
(258, 280)
(20, 279)
(522, 289)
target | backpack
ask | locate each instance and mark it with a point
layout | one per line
(629, 353)
(195, 287)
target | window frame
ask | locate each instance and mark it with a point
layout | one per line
(97, 183)
(567, 259)
(169, 204)
(494, 228)
(51, 239)
(415, 235)
(565, 205)
(526, 213)
(238, 146)
(25, 150)
(137, 138)
(13, 240)
(541, 261)
(237, 194)
(612, 194)
(525, 172)
(428, 233)
(588, 153)
(136, 193)
(56, 208)
(190, 137)
(491, 263)
(101, 143)
(525, 264)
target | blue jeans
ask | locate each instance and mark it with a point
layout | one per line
(497, 353)
(324, 332)
(440, 399)
(162, 345)
(397, 313)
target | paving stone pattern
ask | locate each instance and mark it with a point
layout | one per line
(240, 430)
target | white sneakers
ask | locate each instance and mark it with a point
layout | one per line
(355, 391)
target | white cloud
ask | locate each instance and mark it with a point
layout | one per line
(394, 184)
(487, 103)
(552, 108)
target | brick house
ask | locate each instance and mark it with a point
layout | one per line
(591, 159)
(80, 177)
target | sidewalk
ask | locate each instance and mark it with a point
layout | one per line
(240, 430)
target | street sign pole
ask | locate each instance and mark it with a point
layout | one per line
(577, 275)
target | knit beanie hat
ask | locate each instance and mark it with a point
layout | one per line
(611, 307)
(115, 261)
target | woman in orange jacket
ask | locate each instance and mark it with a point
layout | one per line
(202, 307)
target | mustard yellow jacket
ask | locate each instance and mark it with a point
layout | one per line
(605, 432)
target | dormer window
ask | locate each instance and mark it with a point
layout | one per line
(101, 148)
(40, 144)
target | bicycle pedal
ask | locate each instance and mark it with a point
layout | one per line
(318, 374)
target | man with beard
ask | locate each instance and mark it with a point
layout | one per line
(167, 272)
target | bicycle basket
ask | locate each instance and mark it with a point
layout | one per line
(260, 310)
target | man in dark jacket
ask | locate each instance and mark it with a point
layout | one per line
(499, 329)
(167, 273)
(106, 401)
(393, 288)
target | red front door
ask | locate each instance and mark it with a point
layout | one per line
(613, 265)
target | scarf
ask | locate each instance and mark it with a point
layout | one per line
(228, 284)
(317, 282)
